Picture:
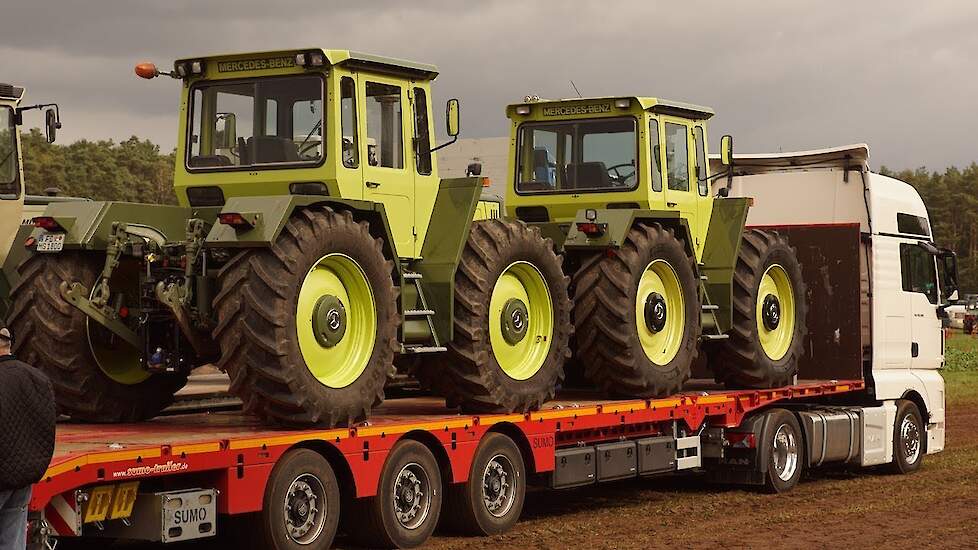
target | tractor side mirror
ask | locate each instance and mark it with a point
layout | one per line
(225, 131)
(726, 150)
(452, 117)
(51, 125)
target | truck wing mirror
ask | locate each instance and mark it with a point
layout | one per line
(52, 124)
(947, 262)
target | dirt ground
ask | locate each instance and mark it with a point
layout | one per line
(936, 507)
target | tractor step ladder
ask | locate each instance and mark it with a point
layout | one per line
(425, 312)
(710, 310)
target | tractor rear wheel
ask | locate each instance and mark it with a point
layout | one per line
(637, 315)
(308, 327)
(97, 377)
(767, 338)
(512, 322)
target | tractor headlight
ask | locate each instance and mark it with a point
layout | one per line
(523, 109)
(317, 59)
(300, 59)
(182, 70)
(623, 103)
(197, 67)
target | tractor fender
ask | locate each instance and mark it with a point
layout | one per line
(617, 223)
(268, 216)
(88, 224)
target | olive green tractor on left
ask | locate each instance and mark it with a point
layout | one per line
(313, 247)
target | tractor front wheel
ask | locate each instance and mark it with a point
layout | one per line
(308, 327)
(97, 377)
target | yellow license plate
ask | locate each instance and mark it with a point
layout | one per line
(111, 502)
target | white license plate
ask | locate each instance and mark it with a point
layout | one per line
(51, 242)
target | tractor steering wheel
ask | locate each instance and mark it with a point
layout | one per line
(617, 178)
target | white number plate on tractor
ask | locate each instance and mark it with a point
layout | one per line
(51, 242)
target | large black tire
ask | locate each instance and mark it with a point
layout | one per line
(498, 463)
(52, 335)
(469, 375)
(784, 444)
(909, 438)
(376, 520)
(607, 328)
(313, 481)
(741, 361)
(257, 325)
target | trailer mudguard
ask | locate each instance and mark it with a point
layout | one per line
(88, 224)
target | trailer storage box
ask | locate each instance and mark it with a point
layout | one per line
(656, 455)
(616, 460)
(573, 467)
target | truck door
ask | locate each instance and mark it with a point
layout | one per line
(680, 177)
(387, 176)
(918, 272)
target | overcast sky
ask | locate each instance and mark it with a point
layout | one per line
(899, 75)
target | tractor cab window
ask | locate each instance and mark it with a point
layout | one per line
(577, 156)
(918, 271)
(677, 156)
(385, 137)
(257, 122)
(8, 154)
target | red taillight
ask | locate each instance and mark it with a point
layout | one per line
(234, 219)
(741, 440)
(48, 223)
(29, 242)
(592, 229)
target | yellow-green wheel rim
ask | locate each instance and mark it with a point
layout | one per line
(775, 282)
(521, 283)
(338, 276)
(114, 356)
(661, 346)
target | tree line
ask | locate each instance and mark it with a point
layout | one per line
(136, 170)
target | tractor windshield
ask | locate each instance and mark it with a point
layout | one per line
(8, 152)
(577, 156)
(252, 123)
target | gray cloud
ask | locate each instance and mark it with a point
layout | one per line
(899, 75)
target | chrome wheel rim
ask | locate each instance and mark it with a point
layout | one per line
(785, 453)
(412, 496)
(499, 486)
(305, 509)
(910, 439)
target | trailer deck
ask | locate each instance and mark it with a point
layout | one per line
(235, 453)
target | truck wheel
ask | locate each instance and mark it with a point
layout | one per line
(318, 320)
(637, 314)
(908, 438)
(768, 335)
(512, 322)
(408, 503)
(301, 507)
(491, 501)
(97, 377)
(785, 447)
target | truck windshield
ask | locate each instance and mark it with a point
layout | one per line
(577, 156)
(8, 152)
(258, 122)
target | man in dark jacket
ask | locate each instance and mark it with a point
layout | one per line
(27, 417)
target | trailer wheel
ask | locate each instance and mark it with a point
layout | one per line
(637, 315)
(491, 501)
(405, 511)
(767, 338)
(784, 446)
(308, 327)
(908, 438)
(97, 377)
(511, 326)
(301, 507)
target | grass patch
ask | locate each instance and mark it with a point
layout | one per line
(961, 353)
(962, 388)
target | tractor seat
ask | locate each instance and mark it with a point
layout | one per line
(271, 149)
(587, 175)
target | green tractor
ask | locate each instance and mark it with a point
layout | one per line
(313, 246)
(661, 265)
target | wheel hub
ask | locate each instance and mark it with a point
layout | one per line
(498, 491)
(410, 497)
(515, 321)
(329, 321)
(771, 312)
(303, 518)
(910, 434)
(655, 312)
